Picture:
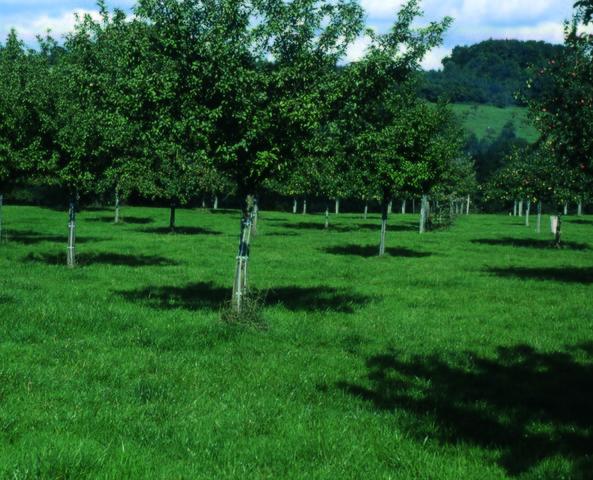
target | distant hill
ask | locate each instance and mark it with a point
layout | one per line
(489, 72)
(488, 121)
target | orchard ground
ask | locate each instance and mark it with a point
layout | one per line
(465, 353)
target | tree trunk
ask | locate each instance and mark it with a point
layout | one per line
(1, 204)
(295, 206)
(558, 234)
(240, 281)
(305, 206)
(337, 206)
(215, 206)
(566, 208)
(116, 206)
(71, 252)
(424, 213)
(390, 207)
(521, 207)
(384, 216)
(172, 216)
(515, 208)
(580, 208)
(203, 203)
(527, 213)
(468, 204)
(326, 216)
(404, 206)
(255, 215)
(414, 206)
(366, 210)
(538, 228)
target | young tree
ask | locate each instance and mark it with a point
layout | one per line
(20, 123)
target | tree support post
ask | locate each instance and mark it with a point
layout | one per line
(116, 220)
(240, 282)
(424, 213)
(71, 251)
(384, 216)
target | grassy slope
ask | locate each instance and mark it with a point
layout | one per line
(465, 353)
(486, 119)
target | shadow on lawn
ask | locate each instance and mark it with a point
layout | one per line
(207, 296)
(528, 405)
(84, 259)
(181, 231)
(396, 227)
(373, 251)
(557, 274)
(317, 226)
(30, 237)
(123, 219)
(579, 221)
(530, 243)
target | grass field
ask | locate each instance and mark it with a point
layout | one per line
(489, 120)
(463, 354)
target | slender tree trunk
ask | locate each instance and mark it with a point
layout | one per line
(1, 204)
(527, 213)
(390, 207)
(295, 206)
(404, 206)
(326, 216)
(71, 252)
(304, 206)
(215, 206)
(384, 216)
(521, 207)
(172, 213)
(366, 210)
(538, 227)
(116, 205)
(515, 208)
(337, 206)
(565, 208)
(255, 215)
(203, 203)
(414, 206)
(468, 205)
(424, 213)
(580, 208)
(558, 234)
(240, 282)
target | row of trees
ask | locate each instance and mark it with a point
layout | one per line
(228, 95)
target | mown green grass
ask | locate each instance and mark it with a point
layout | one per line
(484, 120)
(464, 354)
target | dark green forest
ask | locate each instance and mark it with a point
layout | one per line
(490, 72)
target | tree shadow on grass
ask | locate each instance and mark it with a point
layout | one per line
(396, 227)
(123, 220)
(116, 259)
(207, 296)
(181, 231)
(579, 221)
(368, 251)
(527, 405)
(30, 237)
(557, 274)
(317, 226)
(530, 243)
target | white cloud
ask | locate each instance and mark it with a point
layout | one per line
(28, 28)
(434, 58)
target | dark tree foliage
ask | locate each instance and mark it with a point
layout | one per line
(490, 72)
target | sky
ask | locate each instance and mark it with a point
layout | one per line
(474, 20)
